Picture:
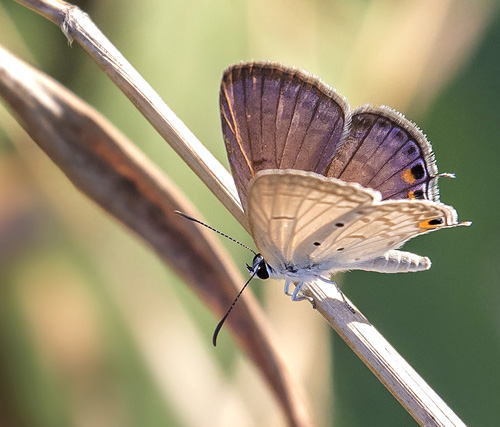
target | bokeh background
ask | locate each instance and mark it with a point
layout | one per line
(95, 331)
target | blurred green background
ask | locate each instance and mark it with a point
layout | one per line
(94, 331)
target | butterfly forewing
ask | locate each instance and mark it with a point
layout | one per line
(274, 117)
(388, 153)
(305, 221)
(283, 208)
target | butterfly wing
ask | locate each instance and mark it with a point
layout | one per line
(388, 153)
(275, 117)
(306, 221)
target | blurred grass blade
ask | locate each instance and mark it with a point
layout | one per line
(110, 170)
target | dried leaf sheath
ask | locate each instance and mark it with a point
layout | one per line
(104, 165)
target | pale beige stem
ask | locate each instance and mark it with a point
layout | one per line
(77, 26)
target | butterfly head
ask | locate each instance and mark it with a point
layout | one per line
(259, 267)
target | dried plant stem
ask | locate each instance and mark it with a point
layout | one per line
(395, 373)
(414, 394)
(77, 26)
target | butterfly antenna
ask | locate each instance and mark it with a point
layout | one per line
(219, 325)
(214, 229)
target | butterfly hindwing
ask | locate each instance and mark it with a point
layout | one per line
(311, 222)
(388, 153)
(275, 117)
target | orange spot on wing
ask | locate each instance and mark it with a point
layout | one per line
(411, 195)
(430, 224)
(408, 176)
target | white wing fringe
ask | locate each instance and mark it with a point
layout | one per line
(395, 262)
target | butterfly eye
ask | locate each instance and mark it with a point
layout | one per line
(260, 267)
(262, 272)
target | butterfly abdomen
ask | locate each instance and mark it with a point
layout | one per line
(397, 262)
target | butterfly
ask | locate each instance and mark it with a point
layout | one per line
(325, 189)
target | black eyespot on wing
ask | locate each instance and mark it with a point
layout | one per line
(418, 171)
(316, 243)
(339, 224)
(435, 221)
(430, 224)
(410, 150)
(419, 194)
(340, 249)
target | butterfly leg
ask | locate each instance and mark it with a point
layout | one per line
(331, 282)
(288, 282)
(295, 295)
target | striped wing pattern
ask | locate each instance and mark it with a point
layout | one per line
(388, 153)
(275, 117)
